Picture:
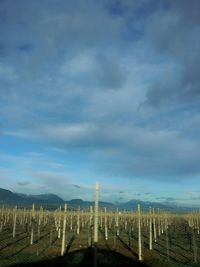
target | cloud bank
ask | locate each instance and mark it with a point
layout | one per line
(114, 80)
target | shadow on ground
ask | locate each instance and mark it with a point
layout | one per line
(84, 258)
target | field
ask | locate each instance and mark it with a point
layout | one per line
(38, 237)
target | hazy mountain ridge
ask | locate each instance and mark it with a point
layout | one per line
(7, 197)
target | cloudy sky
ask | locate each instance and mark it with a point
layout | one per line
(101, 90)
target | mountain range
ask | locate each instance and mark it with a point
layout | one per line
(9, 198)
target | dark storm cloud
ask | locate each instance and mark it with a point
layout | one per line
(175, 35)
(42, 40)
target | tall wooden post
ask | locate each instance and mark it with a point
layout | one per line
(117, 222)
(39, 222)
(159, 222)
(105, 224)
(78, 221)
(96, 210)
(59, 223)
(14, 221)
(150, 230)
(154, 226)
(32, 224)
(139, 235)
(64, 230)
(71, 220)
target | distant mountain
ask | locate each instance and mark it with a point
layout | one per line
(8, 197)
(45, 198)
(51, 201)
(132, 205)
(75, 203)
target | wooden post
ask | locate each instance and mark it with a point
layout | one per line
(139, 235)
(96, 209)
(71, 220)
(105, 224)
(32, 224)
(39, 222)
(154, 226)
(59, 223)
(150, 230)
(64, 231)
(117, 222)
(78, 221)
(14, 221)
(167, 243)
(90, 227)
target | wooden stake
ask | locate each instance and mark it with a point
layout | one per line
(139, 235)
(96, 209)
(64, 230)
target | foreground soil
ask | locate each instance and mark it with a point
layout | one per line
(116, 251)
(85, 258)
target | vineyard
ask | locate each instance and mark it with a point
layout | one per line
(67, 237)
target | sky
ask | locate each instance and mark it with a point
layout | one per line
(104, 91)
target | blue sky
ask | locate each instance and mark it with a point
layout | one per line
(101, 90)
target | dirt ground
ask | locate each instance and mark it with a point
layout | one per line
(46, 250)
